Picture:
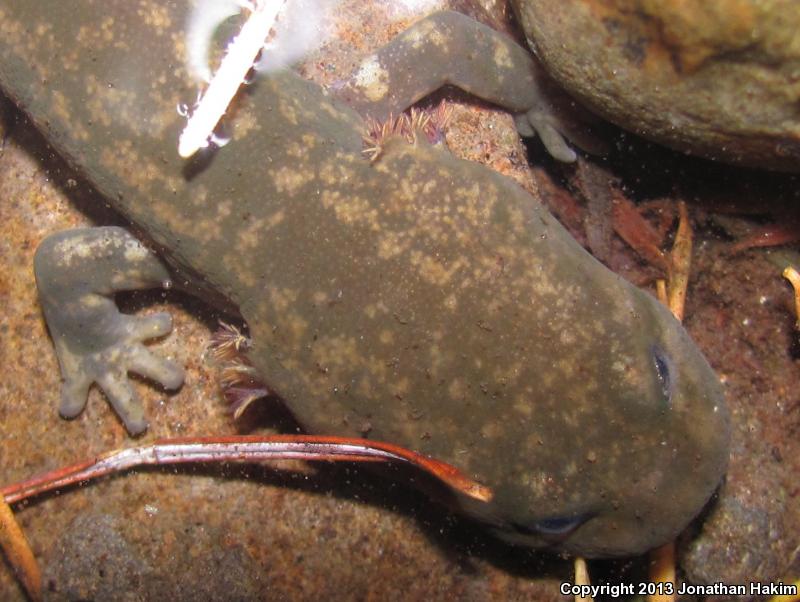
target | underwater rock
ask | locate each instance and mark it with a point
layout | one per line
(716, 79)
(97, 558)
(742, 539)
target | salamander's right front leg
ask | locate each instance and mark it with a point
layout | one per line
(77, 273)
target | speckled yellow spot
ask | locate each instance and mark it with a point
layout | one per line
(233, 263)
(282, 298)
(250, 235)
(567, 337)
(106, 28)
(493, 430)
(154, 15)
(288, 111)
(502, 57)
(290, 180)
(415, 37)
(373, 309)
(432, 270)
(137, 171)
(457, 389)
(401, 387)
(245, 123)
(209, 229)
(523, 407)
(295, 326)
(391, 244)
(135, 251)
(373, 79)
(61, 109)
(356, 209)
(335, 352)
(296, 150)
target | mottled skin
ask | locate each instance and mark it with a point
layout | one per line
(426, 296)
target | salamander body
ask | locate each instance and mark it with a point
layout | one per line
(427, 296)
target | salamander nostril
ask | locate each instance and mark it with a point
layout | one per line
(663, 373)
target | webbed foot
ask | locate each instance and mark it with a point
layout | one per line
(561, 124)
(540, 123)
(77, 273)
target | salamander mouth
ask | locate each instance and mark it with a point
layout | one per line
(546, 531)
(553, 527)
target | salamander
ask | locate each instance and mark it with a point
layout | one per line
(425, 295)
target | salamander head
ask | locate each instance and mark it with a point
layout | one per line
(639, 465)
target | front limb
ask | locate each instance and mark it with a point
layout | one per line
(77, 273)
(451, 48)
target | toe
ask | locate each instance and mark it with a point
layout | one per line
(167, 373)
(125, 401)
(551, 138)
(74, 393)
(150, 327)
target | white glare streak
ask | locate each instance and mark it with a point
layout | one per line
(303, 27)
(203, 21)
(412, 7)
(237, 62)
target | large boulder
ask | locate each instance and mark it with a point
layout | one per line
(719, 78)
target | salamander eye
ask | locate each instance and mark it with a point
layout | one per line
(552, 527)
(663, 373)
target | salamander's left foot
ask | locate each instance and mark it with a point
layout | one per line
(561, 124)
(537, 122)
(77, 273)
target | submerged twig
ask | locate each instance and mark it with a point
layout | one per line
(662, 573)
(582, 579)
(244, 448)
(19, 554)
(787, 597)
(680, 264)
(672, 292)
(793, 276)
(638, 233)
